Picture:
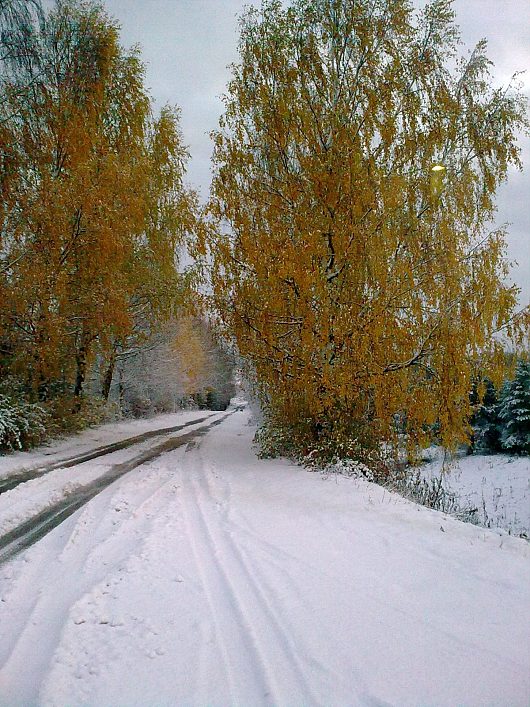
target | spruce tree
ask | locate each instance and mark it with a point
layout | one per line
(486, 423)
(515, 411)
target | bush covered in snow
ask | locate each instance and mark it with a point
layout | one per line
(274, 441)
(349, 467)
(25, 423)
(352, 456)
(432, 493)
(68, 415)
(22, 424)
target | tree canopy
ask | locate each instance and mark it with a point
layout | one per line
(355, 172)
(94, 208)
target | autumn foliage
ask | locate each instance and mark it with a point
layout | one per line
(350, 248)
(356, 167)
(94, 210)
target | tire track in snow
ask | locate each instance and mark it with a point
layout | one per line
(52, 610)
(259, 553)
(267, 647)
(272, 625)
(15, 479)
(36, 527)
(45, 618)
(247, 678)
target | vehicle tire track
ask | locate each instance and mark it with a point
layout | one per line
(236, 599)
(246, 672)
(36, 527)
(255, 552)
(285, 656)
(47, 615)
(18, 653)
(14, 480)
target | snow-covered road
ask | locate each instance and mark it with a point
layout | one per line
(59, 498)
(208, 577)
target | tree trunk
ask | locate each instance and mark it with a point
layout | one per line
(81, 360)
(121, 389)
(43, 388)
(107, 378)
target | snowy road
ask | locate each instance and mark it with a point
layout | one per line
(208, 577)
(17, 477)
(42, 521)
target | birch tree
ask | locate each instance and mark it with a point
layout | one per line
(355, 263)
(94, 209)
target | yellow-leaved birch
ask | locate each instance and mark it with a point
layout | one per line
(355, 172)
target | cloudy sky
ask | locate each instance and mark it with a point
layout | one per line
(188, 44)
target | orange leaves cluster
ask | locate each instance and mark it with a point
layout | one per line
(356, 291)
(94, 208)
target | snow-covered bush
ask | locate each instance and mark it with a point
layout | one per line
(274, 441)
(431, 493)
(68, 415)
(332, 455)
(22, 424)
(349, 467)
(514, 411)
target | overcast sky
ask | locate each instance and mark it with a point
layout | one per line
(187, 45)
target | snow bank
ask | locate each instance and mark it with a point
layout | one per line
(91, 438)
(498, 486)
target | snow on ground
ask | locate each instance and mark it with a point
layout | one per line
(40, 494)
(208, 577)
(91, 438)
(498, 486)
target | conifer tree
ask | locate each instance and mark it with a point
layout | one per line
(515, 411)
(356, 167)
(485, 422)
